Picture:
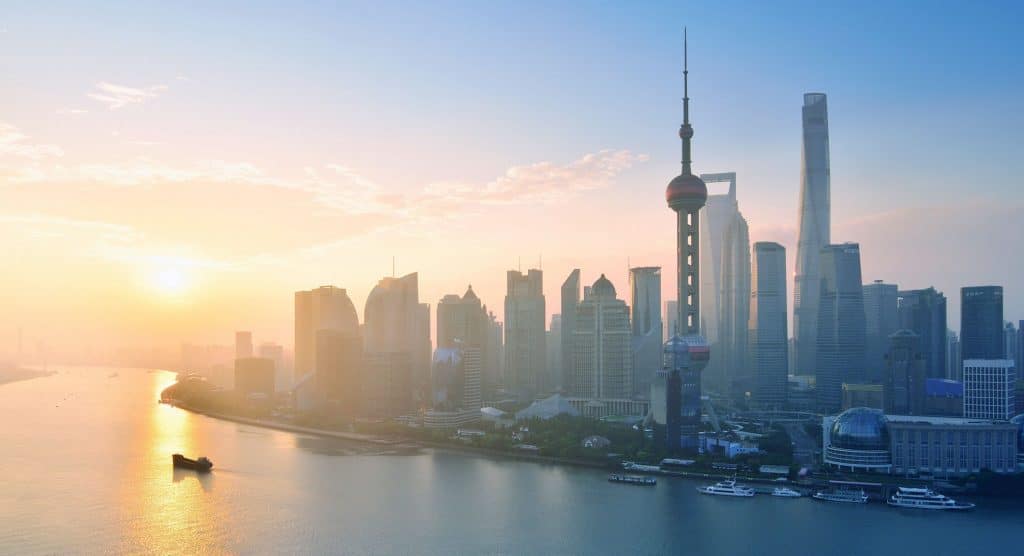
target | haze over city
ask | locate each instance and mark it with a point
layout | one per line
(171, 176)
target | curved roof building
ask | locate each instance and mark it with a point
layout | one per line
(858, 440)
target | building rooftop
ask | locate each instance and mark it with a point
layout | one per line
(959, 421)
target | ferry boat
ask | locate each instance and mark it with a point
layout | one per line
(727, 488)
(632, 479)
(925, 499)
(783, 492)
(202, 464)
(842, 495)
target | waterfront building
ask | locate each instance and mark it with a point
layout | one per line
(981, 323)
(455, 387)
(464, 321)
(397, 323)
(275, 352)
(243, 344)
(645, 318)
(254, 376)
(924, 313)
(494, 365)
(554, 356)
(881, 321)
(525, 339)
(906, 374)
(685, 195)
(324, 308)
(338, 378)
(863, 395)
(944, 397)
(602, 346)
(725, 283)
(866, 440)
(841, 328)
(388, 386)
(570, 299)
(768, 331)
(989, 388)
(815, 229)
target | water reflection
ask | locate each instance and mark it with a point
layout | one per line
(326, 446)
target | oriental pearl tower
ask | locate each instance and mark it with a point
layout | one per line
(687, 352)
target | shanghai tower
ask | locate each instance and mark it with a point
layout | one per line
(814, 229)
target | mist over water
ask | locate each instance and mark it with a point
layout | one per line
(86, 468)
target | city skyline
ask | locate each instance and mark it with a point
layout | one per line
(154, 188)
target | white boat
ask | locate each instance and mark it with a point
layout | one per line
(783, 492)
(842, 495)
(924, 499)
(727, 488)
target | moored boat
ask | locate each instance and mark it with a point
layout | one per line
(727, 488)
(842, 495)
(925, 499)
(783, 492)
(202, 464)
(632, 479)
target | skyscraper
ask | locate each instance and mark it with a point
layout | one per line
(455, 387)
(569, 301)
(554, 345)
(841, 330)
(324, 308)
(989, 389)
(725, 282)
(906, 373)
(525, 341)
(243, 345)
(924, 313)
(881, 320)
(396, 323)
(671, 318)
(981, 323)
(339, 372)
(601, 346)
(815, 228)
(767, 325)
(645, 317)
(685, 195)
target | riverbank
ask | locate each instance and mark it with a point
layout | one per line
(396, 441)
(18, 374)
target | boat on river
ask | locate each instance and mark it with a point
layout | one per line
(925, 499)
(202, 464)
(727, 488)
(783, 492)
(632, 479)
(842, 495)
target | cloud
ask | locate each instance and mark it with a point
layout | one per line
(72, 111)
(118, 96)
(13, 143)
(47, 225)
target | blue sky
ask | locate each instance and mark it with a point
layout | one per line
(923, 99)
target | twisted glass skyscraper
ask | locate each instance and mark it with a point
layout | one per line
(815, 226)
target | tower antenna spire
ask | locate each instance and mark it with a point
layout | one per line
(686, 130)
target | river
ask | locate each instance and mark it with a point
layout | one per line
(85, 468)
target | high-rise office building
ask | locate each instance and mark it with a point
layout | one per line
(841, 330)
(338, 377)
(989, 389)
(815, 229)
(954, 370)
(525, 338)
(671, 318)
(924, 313)
(494, 362)
(554, 344)
(254, 375)
(685, 195)
(1010, 341)
(981, 323)
(464, 321)
(881, 321)
(906, 375)
(645, 318)
(725, 283)
(243, 345)
(570, 299)
(396, 322)
(768, 334)
(601, 346)
(455, 387)
(388, 386)
(1019, 357)
(324, 308)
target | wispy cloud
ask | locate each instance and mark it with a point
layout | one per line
(72, 111)
(39, 224)
(14, 143)
(118, 96)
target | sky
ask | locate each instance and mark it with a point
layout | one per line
(172, 172)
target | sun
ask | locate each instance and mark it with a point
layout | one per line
(170, 282)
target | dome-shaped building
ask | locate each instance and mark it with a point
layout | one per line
(858, 440)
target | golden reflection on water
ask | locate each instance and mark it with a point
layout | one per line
(169, 510)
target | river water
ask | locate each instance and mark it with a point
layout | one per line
(85, 468)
